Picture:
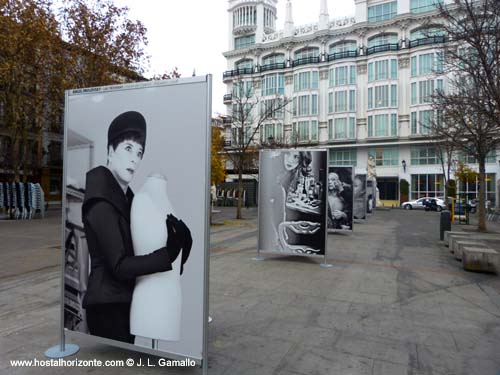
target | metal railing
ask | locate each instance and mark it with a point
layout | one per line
(228, 97)
(237, 72)
(428, 40)
(342, 55)
(306, 60)
(264, 68)
(382, 48)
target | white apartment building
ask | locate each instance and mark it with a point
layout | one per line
(359, 86)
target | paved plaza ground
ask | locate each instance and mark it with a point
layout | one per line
(395, 302)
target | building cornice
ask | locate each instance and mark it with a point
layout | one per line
(357, 30)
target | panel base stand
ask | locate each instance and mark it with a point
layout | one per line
(326, 265)
(56, 352)
(258, 258)
(210, 320)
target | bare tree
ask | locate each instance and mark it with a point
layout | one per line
(471, 105)
(249, 115)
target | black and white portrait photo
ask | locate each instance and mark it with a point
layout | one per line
(359, 197)
(292, 193)
(371, 195)
(340, 198)
(135, 221)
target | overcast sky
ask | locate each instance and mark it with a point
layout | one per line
(192, 35)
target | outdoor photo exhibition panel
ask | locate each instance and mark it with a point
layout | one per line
(340, 198)
(135, 217)
(292, 194)
(359, 197)
(371, 196)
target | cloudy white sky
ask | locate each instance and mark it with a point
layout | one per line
(193, 34)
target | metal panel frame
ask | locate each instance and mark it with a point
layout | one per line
(352, 199)
(259, 251)
(101, 340)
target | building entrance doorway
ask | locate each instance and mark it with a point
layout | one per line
(388, 188)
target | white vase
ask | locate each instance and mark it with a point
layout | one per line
(157, 300)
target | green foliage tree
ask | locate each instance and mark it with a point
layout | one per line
(218, 168)
(31, 80)
(404, 190)
(104, 45)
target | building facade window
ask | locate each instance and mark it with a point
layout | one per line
(471, 189)
(305, 81)
(382, 39)
(420, 6)
(271, 132)
(425, 90)
(382, 96)
(271, 108)
(385, 156)
(382, 12)
(471, 159)
(273, 84)
(305, 53)
(427, 63)
(424, 155)
(348, 46)
(276, 58)
(242, 89)
(426, 32)
(421, 121)
(383, 125)
(342, 75)
(341, 128)
(382, 70)
(427, 185)
(244, 41)
(343, 157)
(305, 131)
(244, 64)
(245, 16)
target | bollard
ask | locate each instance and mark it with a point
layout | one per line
(444, 224)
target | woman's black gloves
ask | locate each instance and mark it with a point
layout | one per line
(179, 237)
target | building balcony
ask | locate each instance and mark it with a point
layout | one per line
(382, 48)
(227, 120)
(228, 98)
(306, 60)
(237, 72)
(342, 55)
(342, 140)
(426, 41)
(275, 66)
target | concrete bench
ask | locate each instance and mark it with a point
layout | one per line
(449, 233)
(457, 237)
(480, 259)
(460, 244)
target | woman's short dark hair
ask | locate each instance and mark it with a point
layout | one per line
(128, 136)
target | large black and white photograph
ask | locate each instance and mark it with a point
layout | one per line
(292, 194)
(371, 196)
(359, 197)
(136, 214)
(340, 198)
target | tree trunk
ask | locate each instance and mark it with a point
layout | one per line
(481, 226)
(240, 190)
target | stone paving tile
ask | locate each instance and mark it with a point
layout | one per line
(376, 348)
(394, 302)
(256, 349)
(314, 361)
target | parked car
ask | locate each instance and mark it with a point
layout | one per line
(474, 203)
(421, 203)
